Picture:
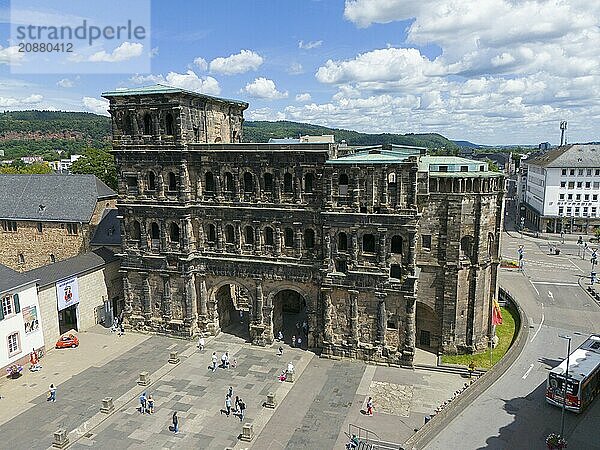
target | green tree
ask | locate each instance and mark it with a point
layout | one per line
(100, 163)
(20, 167)
(492, 166)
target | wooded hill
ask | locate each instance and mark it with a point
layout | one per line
(25, 133)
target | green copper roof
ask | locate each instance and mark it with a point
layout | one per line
(378, 155)
(164, 89)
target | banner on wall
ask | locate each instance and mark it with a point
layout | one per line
(67, 292)
(30, 318)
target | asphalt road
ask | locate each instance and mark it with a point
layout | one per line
(512, 413)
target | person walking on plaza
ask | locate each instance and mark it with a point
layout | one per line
(230, 391)
(242, 410)
(201, 342)
(280, 351)
(150, 404)
(143, 403)
(236, 405)
(370, 406)
(175, 422)
(214, 361)
(228, 405)
(52, 393)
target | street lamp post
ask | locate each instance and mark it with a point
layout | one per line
(564, 397)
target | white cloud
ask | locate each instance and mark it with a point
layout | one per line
(304, 97)
(123, 52)
(201, 64)
(95, 105)
(242, 62)
(13, 102)
(309, 45)
(65, 83)
(10, 55)
(188, 80)
(295, 69)
(263, 88)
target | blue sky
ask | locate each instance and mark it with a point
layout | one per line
(477, 69)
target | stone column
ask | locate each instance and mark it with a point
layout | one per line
(258, 241)
(354, 248)
(327, 257)
(327, 188)
(187, 233)
(166, 298)
(353, 316)
(382, 246)
(297, 186)
(220, 243)
(409, 329)
(163, 235)
(277, 239)
(127, 294)
(143, 235)
(384, 188)
(185, 189)
(161, 187)
(258, 310)
(203, 296)
(327, 319)
(238, 236)
(298, 240)
(200, 238)
(236, 186)
(277, 187)
(381, 317)
(147, 292)
(218, 188)
(354, 187)
(191, 302)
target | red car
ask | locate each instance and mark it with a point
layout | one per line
(67, 341)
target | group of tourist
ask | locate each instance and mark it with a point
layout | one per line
(146, 404)
(226, 363)
(239, 405)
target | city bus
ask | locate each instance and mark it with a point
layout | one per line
(584, 377)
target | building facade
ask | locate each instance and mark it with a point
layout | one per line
(290, 234)
(49, 218)
(563, 186)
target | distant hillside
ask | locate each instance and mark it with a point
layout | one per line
(262, 131)
(467, 144)
(24, 133)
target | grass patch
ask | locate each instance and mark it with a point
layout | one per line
(506, 335)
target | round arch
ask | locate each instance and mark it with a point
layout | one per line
(231, 303)
(290, 308)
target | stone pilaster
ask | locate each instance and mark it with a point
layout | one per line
(327, 319)
(147, 297)
(166, 298)
(381, 317)
(353, 316)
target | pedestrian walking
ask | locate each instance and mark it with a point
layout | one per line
(237, 404)
(52, 393)
(233, 363)
(214, 361)
(280, 336)
(228, 405)
(230, 391)
(242, 409)
(471, 368)
(143, 403)
(175, 422)
(299, 342)
(201, 342)
(150, 404)
(370, 406)
(241, 316)
(293, 340)
(280, 351)
(225, 360)
(305, 328)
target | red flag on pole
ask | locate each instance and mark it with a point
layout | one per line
(496, 313)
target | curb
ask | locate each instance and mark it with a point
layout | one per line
(583, 286)
(430, 430)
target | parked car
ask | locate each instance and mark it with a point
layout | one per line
(67, 341)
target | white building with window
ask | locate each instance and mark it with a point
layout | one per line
(563, 188)
(20, 321)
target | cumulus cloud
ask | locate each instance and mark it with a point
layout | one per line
(188, 80)
(309, 45)
(10, 55)
(242, 62)
(304, 97)
(125, 51)
(65, 83)
(263, 88)
(201, 64)
(95, 105)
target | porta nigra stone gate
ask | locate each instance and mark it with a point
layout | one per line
(379, 251)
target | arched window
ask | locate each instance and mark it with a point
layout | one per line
(169, 128)
(343, 184)
(342, 242)
(151, 181)
(392, 178)
(127, 124)
(308, 182)
(229, 234)
(212, 234)
(288, 240)
(147, 124)
(397, 244)
(249, 235)
(466, 246)
(136, 231)
(154, 231)
(396, 271)
(309, 238)
(248, 182)
(228, 182)
(287, 183)
(209, 182)
(174, 233)
(269, 236)
(368, 243)
(172, 182)
(268, 177)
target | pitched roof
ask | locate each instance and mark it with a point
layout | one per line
(10, 279)
(73, 266)
(108, 231)
(572, 155)
(51, 197)
(164, 89)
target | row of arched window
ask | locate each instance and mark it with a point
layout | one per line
(368, 243)
(147, 123)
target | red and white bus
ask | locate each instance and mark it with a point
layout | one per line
(584, 377)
